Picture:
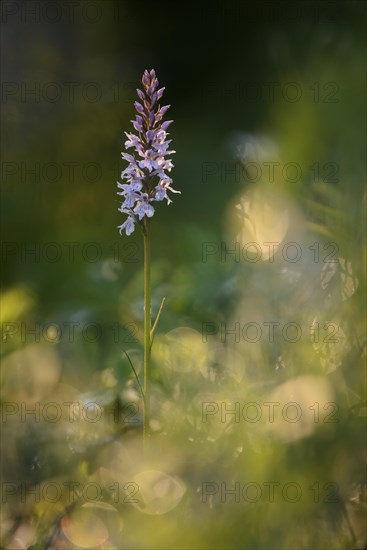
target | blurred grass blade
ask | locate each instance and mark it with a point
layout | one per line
(156, 322)
(135, 373)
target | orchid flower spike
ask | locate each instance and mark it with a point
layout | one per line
(146, 176)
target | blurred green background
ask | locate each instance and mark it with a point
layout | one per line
(249, 83)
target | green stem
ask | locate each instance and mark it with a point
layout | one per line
(147, 328)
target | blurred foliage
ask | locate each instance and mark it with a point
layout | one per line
(205, 54)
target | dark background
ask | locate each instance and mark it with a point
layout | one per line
(69, 73)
